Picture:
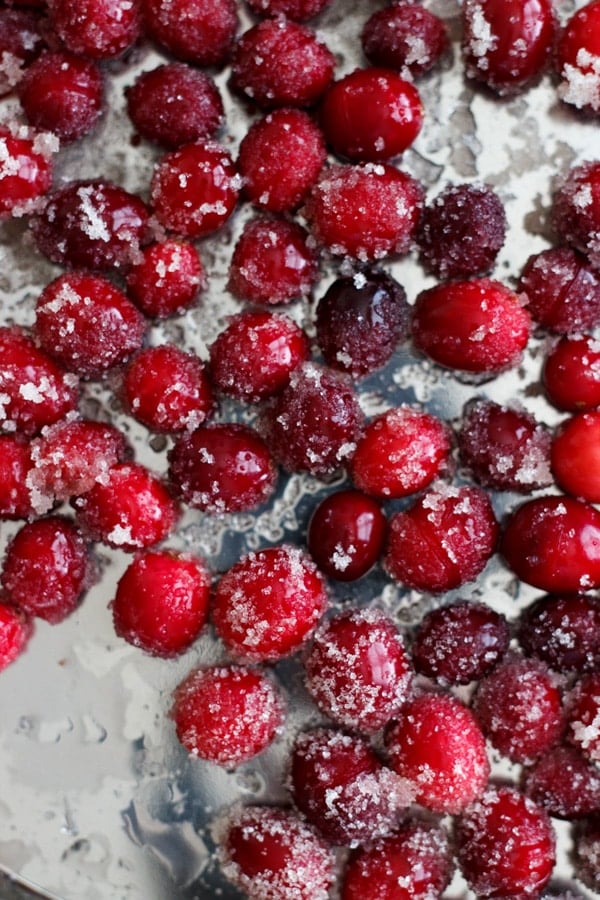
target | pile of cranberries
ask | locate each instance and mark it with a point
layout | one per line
(391, 787)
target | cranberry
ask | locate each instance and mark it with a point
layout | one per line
(255, 354)
(129, 509)
(357, 670)
(583, 716)
(346, 534)
(227, 714)
(365, 211)
(299, 68)
(576, 454)
(268, 603)
(195, 189)
(167, 389)
(565, 784)
(15, 499)
(269, 849)
(462, 231)
(371, 114)
(478, 325)
(571, 373)
(504, 448)
(272, 262)
(576, 210)
(577, 56)
(47, 568)
(91, 225)
(222, 468)
(87, 324)
(20, 43)
(563, 293)
(553, 543)
(166, 278)
(360, 320)
(563, 630)
(460, 643)
(442, 540)
(507, 43)
(200, 32)
(25, 170)
(161, 602)
(404, 36)
(506, 845)
(342, 788)
(586, 855)
(280, 158)
(314, 423)
(297, 10)
(16, 629)
(99, 29)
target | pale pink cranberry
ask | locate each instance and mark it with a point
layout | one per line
(578, 59)
(576, 210)
(200, 32)
(16, 630)
(563, 630)
(166, 278)
(403, 36)
(26, 167)
(562, 291)
(98, 29)
(564, 783)
(15, 497)
(571, 373)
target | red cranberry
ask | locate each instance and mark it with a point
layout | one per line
(404, 36)
(563, 293)
(222, 468)
(563, 783)
(476, 326)
(460, 643)
(507, 43)
(576, 456)
(20, 43)
(99, 29)
(161, 602)
(166, 278)
(571, 373)
(227, 714)
(443, 540)
(25, 170)
(576, 210)
(357, 670)
(195, 189)
(47, 568)
(583, 716)
(16, 629)
(506, 845)
(586, 852)
(281, 63)
(15, 499)
(255, 354)
(360, 320)
(563, 630)
(346, 534)
(200, 32)
(577, 56)
(297, 10)
(269, 603)
(280, 158)
(553, 543)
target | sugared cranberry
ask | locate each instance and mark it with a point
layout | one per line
(15, 498)
(365, 211)
(195, 189)
(506, 845)
(227, 714)
(297, 10)
(268, 603)
(194, 31)
(99, 29)
(20, 43)
(255, 354)
(16, 629)
(281, 63)
(586, 852)
(25, 170)
(507, 43)
(161, 602)
(462, 231)
(272, 262)
(504, 448)
(460, 643)
(563, 293)
(346, 534)
(280, 158)
(222, 468)
(571, 373)
(563, 783)
(404, 36)
(166, 278)
(576, 456)
(563, 630)
(478, 325)
(47, 568)
(583, 716)
(553, 543)
(314, 423)
(360, 320)
(578, 59)
(357, 670)
(576, 210)
(91, 225)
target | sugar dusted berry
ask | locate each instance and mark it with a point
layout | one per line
(16, 629)
(26, 168)
(578, 59)
(576, 210)
(297, 10)
(404, 36)
(564, 783)
(15, 498)
(576, 455)
(563, 630)
(194, 31)
(586, 852)
(20, 43)
(583, 716)
(571, 373)
(99, 29)
(562, 290)
(166, 278)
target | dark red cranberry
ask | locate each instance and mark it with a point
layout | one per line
(346, 534)
(20, 43)
(586, 852)
(98, 29)
(576, 210)
(571, 373)
(360, 320)
(583, 716)
(25, 171)
(563, 293)
(166, 278)
(16, 629)
(404, 36)
(297, 10)
(563, 630)
(222, 468)
(15, 498)
(175, 104)
(462, 231)
(460, 643)
(563, 783)
(576, 456)
(577, 54)
(194, 31)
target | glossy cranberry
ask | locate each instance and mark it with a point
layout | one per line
(20, 43)
(506, 845)
(227, 714)
(222, 468)
(553, 543)
(195, 189)
(563, 783)
(443, 540)
(272, 262)
(577, 59)
(200, 32)
(297, 10)
(47, 568)
(360, 320)
(571, 373)
(504, 448)
(357, 669)
(462, 231)
(460, 643)
(91, 225)
(576, 210)
(507, 43)
(346, 534)
(300, 66)
(576, 455)
(268, 603)
(16, 630)
(15, 498)
(404, 36)
(563, 630)
(87, 324)
(255, 355)
(166, 278)
(161, 602)
(563, 293)
(25, 170)
(586, 852)
(583, 716)
(98, 29)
